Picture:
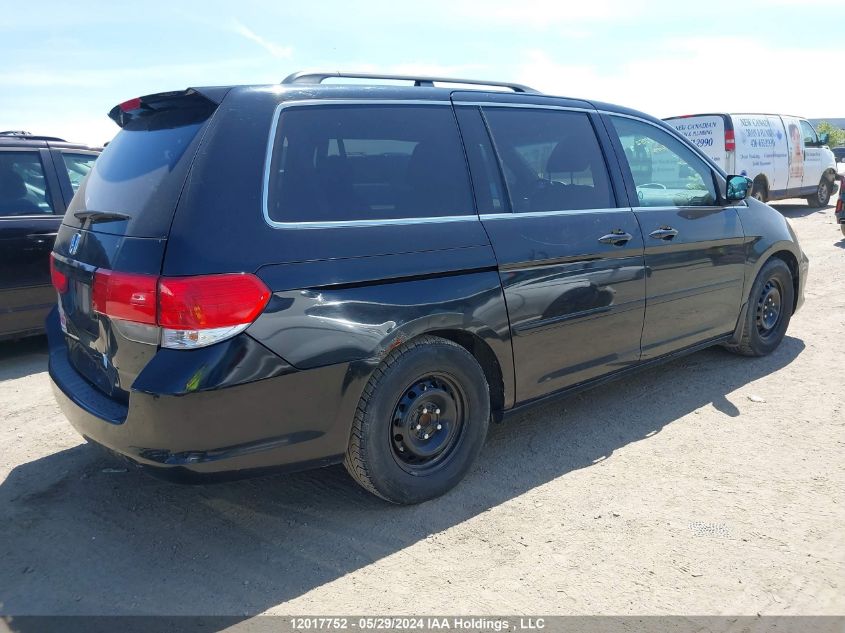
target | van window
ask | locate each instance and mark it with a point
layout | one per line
(141, 172)
(23, 188)
(551, 159)
(809, 134)
(367, 162)
(666, 172)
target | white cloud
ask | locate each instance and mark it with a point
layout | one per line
(684, 76)
(274, 49)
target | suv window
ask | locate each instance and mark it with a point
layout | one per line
(666, 172)
(78, 166)
(23, 187)
(810, 136)
(551, 159)
(367, 162)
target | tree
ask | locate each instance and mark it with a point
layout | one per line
(837, 136)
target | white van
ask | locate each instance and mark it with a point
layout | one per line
(783, 155)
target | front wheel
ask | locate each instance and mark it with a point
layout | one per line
(769, 310)
(421, 422)
(822, 195)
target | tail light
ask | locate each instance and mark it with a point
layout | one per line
(125, 296)
(198, 311)
(730, 141)
(191, 311)
(57, 278)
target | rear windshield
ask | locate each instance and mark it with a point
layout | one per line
(141, 172)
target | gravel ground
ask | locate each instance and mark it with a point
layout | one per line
(712, 485)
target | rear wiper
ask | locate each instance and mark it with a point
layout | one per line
(100, 216)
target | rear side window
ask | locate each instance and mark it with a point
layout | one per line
(551, 159)
(23, 187)
(78, 166)
(142, 170)
(367, 162)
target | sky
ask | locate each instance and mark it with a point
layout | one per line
(63, 65)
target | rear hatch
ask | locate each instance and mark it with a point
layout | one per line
(118, 224)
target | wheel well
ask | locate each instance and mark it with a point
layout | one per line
(761, 178)
(792, 262)
(481, 351)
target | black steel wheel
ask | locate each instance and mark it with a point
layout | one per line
(428, 422)
(768, 310)
(421, 421)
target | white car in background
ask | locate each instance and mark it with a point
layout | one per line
(783, 155)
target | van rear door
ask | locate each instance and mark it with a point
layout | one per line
(711, 133)
(112, 240)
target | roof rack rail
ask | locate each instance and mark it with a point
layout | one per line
(29, 136)
(312, 78)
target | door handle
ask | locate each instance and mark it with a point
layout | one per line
(664, 233)
(618, 237)
(42, 238)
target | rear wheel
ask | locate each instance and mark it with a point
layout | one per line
(759, 191)
(822, 195)
(842, 228)
(769, 310)
(421, 421)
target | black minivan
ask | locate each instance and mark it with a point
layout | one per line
(296, 275)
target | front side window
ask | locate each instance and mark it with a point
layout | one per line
(367, 162)
(78, 166)
(666, 172)
(551, 159)
(23, 187)
(810, 136)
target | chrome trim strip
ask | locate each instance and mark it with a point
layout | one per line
(536, 106)
(341, 223)
(543, 214)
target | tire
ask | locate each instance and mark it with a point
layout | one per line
(842, 228)
(402, 448)
(759, 191)
(769, 310)
(822, 195)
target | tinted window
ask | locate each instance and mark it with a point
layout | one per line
(78, 166)
(666, 172)
(23, 187)
(367, 162)
(141, 172)
(551, 159)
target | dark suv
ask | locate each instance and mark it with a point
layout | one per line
(38, 177)
(302, 274)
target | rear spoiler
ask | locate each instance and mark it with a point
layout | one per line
(188, 99)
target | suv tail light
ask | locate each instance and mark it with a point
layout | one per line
(730, 141)
(191, 311)
(57, 278)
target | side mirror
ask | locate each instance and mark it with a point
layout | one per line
(738, 188)
(824, 137)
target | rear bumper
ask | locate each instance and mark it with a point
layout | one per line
(293, 420)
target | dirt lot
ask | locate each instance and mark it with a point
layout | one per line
(712, 485)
